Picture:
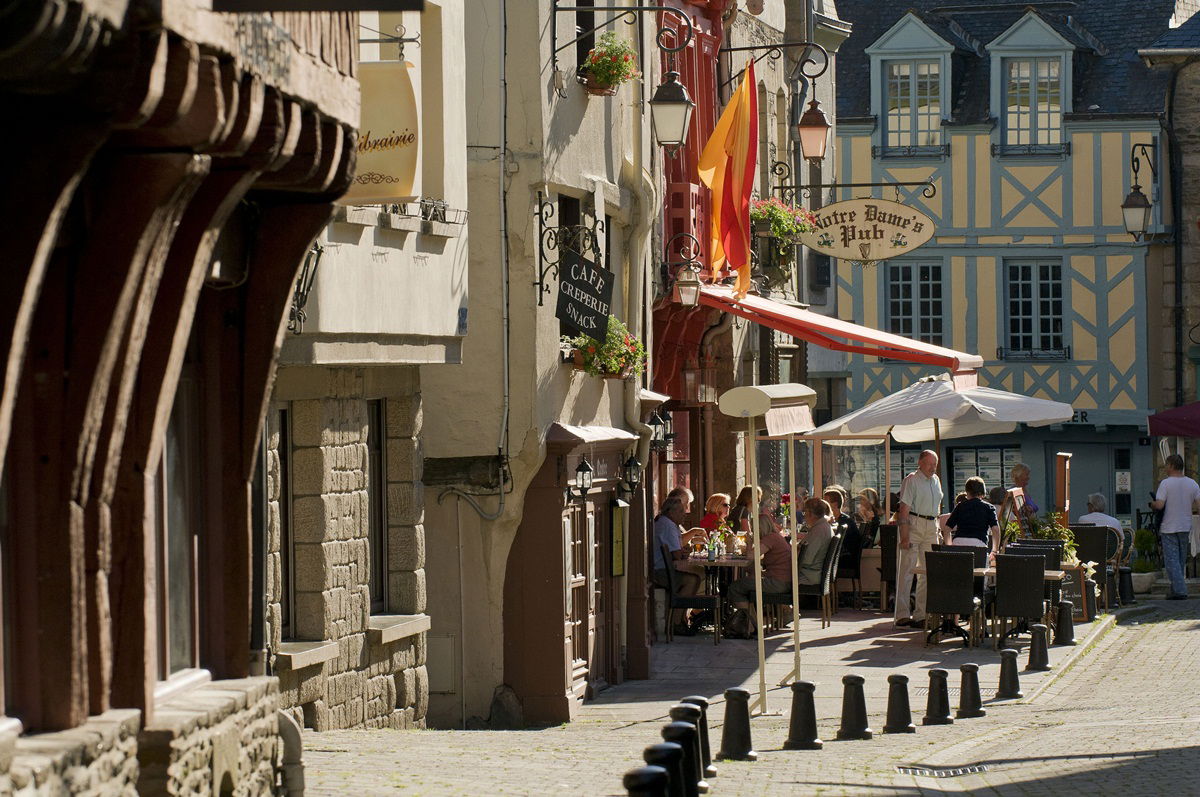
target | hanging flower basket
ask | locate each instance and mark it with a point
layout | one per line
(610, 63)
(773, 219)
(620, 356)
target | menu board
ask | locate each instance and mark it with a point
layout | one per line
(1073, 583)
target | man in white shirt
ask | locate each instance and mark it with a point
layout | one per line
(1177, 496)
(920, 505)
(1097, 507)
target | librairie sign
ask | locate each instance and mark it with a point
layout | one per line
(866, 230)
(584, 296)
(318, 5)
(387, 136)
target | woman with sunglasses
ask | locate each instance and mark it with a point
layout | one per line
(716, 509)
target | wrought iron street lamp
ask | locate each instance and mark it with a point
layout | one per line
(1137, 207)
(658, 440)
(583, 481)
(687, 286)
(671, 111)
(631, 475)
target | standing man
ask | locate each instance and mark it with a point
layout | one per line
(1177, 496)
(920, 505)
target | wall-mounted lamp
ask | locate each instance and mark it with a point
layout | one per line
(658, 439)
(1137, 207)
(813, 130)
(671, 111)
(686, 268)
(583, 481)
(631, 475)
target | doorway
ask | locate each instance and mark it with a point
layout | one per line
(1103, 468)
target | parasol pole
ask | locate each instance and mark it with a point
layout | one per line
(887, 478)
(793, 510)
(754, 531)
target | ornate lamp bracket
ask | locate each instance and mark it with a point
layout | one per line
(554, 240)
(788, 192)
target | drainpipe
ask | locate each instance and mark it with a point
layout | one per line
(1175, 169)
(293, 755)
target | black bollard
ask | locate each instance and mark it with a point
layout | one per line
(646, 782)
(1010, 683)
(1125, 586)
(970, 703)
(688, 712)
(1089, 597)
(669, 756)
(1039, 653)
(684, 735)
(899, 715)
(854, 710)
(802, 728)
(705, 751)
(937, 707)
(1064, 627)
(735, 734)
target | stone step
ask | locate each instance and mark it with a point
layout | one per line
(1163, 587)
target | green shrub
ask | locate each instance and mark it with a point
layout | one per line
(1145, 542)
(1144, 566)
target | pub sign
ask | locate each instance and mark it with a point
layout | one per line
(584, 296)
(866, 230)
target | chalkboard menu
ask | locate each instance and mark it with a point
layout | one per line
(1073, 585)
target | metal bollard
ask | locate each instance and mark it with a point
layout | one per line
(1089, 597)
(687, 712)
(669, 756)
(735, 734)
(1064, 627)
(705, 751)
(937, 707)
(1010, 683)
(646, 782)
(1125, 586)
(802, 728)
(899, 715)
(1039, 653)
(970, 702)
(854, 710)
(684, 735)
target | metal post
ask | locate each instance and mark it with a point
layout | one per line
(791, 438)
(752, 448)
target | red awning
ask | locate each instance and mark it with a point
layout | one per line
(833, 333)
(1178, 421)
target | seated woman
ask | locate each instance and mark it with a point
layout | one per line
(739, 517)
(835, 496)
(716, 509)
(973, 522)
(668, 533)
(777, 565)
(869, 516)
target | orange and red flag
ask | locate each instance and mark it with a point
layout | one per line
(727, 166)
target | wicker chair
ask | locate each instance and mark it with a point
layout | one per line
(1052, 590)
(1019, 593)
(888, 538)
(851, 570)
(950, 576)
(1102, 545)
(822, 590)
(676, 601)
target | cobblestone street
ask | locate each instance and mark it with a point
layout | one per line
(1118, 714)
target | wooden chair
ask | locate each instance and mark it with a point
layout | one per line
(677, 601)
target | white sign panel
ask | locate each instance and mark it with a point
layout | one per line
(866, 230)
(388, 139)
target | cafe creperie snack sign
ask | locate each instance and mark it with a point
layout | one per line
(387, 136)
(867, 230)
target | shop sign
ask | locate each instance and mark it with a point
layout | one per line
(387, 136)
(867, 230)
(584, 296)
(318, 5)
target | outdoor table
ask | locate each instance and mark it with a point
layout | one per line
(713, 568)
(990, 572)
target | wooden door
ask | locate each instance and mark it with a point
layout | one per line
(577, 598)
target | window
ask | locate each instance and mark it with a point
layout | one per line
(178, 530)
(377, 521)
(914, 104)
(1032, 102)
(286, 626)
(1035, 310)
(914, 300)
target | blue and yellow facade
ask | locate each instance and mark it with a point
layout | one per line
(996, 208)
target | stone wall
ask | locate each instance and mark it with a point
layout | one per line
(370, 682)
(98, 757)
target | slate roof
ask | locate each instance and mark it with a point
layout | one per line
(1106, 33)
(1186, 36)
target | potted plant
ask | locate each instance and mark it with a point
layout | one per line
(610, 63)
(784, 223)
(1145, 569)
(619, 356)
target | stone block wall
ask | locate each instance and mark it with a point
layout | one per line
(368, 683)
(98, 757)
(218, 738)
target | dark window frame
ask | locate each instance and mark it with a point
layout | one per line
(915, 297)
(916, 86)
(1029, 330)
(377, 511)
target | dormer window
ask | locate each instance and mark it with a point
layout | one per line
(914, 103)
(1032, 102)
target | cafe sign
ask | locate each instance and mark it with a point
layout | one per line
(387, 136)
(584, 296)
(867, 230)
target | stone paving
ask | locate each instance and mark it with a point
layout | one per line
(1118, 714)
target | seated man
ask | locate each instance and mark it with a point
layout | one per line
(1097, 507)
(835, 496)
(669, 533)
